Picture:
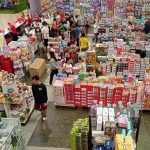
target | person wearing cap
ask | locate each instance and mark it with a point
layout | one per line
(13, 31)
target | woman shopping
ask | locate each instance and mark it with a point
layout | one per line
(83, 42)
(53, 66)
(67, 67)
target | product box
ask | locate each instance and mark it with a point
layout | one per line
(111, 112)
(58, 88)
(105, 118)
(112, 119)
(99, 123)
(105, 112)
(99, 111)
(37, 67)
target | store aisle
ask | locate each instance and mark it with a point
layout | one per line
(56, 131)
(144, 133)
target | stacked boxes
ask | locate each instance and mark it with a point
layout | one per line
(77, 95)
(142, 70)
(96, 93)
(125, 97)
(103, 95)
(99, 118)
(147, 92)
(117, 94)
(90, 95)
(68, 89)
(110, 98)
(79, 135)
(133, 96)
(84, 94)
(131, 67)
(58, 88)
(140, 95)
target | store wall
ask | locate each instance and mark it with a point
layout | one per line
(35, 7)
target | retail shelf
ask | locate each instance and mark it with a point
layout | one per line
(28, 115)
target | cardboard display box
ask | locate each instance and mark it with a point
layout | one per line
(37, 67)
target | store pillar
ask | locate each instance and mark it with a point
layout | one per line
(35, 7)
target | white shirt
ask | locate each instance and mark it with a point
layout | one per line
(68, 67)
(52, 49)
(95, 28)
(45, 32)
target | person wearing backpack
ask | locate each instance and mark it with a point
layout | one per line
(53, 66)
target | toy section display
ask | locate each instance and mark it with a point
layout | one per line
(16, 98)
(11, 135)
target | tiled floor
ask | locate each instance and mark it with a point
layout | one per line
(56, 131)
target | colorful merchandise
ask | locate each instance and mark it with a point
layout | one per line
(79, 135)
(15, 97)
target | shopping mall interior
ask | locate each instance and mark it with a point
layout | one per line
(74, 74)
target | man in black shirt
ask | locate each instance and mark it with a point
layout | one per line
(40, 96)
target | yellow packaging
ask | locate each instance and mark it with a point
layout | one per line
(120, 147)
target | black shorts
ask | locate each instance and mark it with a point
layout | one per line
(45, 42)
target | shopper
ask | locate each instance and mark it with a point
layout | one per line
(67, 25)
(81, 65)
(52, 48)
(45, 34)
(147, 29)
(83, 43)
(95, 31)
(23, 16)
(13, 32)
(67, 67)
(71, 20)
(29, 20)
(38, 33)
(53, 66)
(54, 27)
(77, 32)
(40, 96)
(63, 45)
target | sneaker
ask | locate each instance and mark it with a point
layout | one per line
(44, 118)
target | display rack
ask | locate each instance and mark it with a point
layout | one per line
(103, 125)
(20, 27)
(11, 134)
(16, 99)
